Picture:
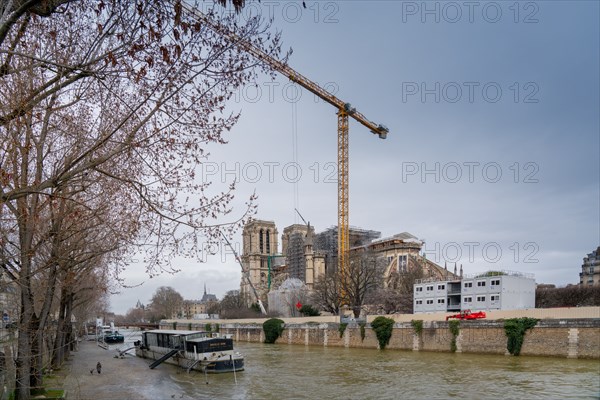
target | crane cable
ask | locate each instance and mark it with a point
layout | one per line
(296, 168)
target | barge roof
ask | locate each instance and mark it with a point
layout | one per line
(174, 332)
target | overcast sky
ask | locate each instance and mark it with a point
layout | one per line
(493, 152)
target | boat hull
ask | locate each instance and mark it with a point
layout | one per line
(114, 339)
(221, 366)
(212, 365)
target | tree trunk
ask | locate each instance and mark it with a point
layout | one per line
(68, 341)
(37, 355)
(59, 343)
(23, 362)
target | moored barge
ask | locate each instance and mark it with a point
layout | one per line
(198, 350)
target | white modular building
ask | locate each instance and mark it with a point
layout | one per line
(494, 290)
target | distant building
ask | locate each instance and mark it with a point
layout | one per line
(590, 270)
(207, 297)
(306, 255)
(494, 290)
(191, 308)
(267, 268)
(140, 305)
(259, 251)
(401, 255)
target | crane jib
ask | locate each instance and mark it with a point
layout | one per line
(290, 73)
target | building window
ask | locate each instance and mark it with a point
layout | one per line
(402, 264)
(468, 299)
(441, 301)
(480, 298)
(441, 287)
(429, 288)
(419, 302)
(260, 241)
(268, 234)
(430, 301)
(481, 283)
(468, 284)
(495, 282)
(495, 297)
(591, 270)
(419, 289)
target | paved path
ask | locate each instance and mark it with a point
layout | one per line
(121, 378)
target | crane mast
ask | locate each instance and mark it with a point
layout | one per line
(344, 110)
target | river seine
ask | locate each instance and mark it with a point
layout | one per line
(297, 372)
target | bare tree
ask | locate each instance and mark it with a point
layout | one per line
(235, 305)
(397, 296)
(570, 296)
(364, 275)
(13, 11)
(353, 289)
(326, 294)
(92, 92)
(134, 315)
(166, 302)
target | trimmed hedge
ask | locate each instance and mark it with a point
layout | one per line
(273, 328)
(383, 328)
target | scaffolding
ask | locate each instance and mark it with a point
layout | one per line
(326, 242)
(296, 261)
(283, 301)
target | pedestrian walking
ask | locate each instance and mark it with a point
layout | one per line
(99, 367)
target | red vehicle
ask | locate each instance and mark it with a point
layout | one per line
(467, 314)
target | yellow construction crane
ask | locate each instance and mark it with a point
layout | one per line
(344, 110)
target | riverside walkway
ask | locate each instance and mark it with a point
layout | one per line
(121, 378)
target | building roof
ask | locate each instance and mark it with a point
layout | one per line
(208, 297)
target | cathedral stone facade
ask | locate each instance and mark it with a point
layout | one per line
(265, 268)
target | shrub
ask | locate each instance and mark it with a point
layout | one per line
(515, 329)
(309, 311)
(189, 326)
(174, 325)
(273, 328)
(342, 328)
(208, 327)
(217, 327)
(417, 325)
(454, 326)
(383, 328)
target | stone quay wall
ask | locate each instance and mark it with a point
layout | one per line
(568, 338)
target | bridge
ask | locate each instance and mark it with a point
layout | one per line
(141, 325)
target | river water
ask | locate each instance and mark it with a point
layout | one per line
(297, 372)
